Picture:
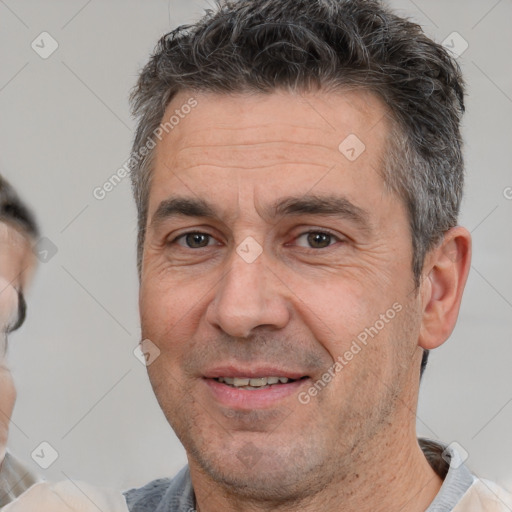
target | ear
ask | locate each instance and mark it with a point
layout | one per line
(445, 272)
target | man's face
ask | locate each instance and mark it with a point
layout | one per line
(251, 293)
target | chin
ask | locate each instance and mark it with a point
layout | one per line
(260, 482)
(260, 470)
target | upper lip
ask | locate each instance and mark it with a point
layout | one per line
(253, 372)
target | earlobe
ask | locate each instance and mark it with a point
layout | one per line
(446, 269)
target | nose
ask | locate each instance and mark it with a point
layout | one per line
(9, 304)
(250, 295)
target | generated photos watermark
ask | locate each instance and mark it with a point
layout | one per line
(111, 183)
(356, 346)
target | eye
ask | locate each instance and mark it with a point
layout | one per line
(194, 240)
(313, 239)
(318, 239)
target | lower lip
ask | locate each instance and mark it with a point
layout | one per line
(252, 398)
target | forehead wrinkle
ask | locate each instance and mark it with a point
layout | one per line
(271, 131)
(281, 165)
(245, 126)
(283, 142)
(265, 153)
(211, 133)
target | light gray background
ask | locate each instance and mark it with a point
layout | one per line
(65, 128)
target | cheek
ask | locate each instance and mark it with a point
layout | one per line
(7, 400)
(169, 311)
(8, 303)
(362, 326)
(335, 310)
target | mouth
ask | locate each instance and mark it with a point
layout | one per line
(255, 383)
(260, 387)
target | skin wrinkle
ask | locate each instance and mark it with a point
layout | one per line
(292, 307)
(228, 158)
(256, 167)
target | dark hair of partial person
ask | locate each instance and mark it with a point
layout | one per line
(15, 212)
(260, 46)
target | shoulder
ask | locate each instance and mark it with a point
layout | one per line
(15, 479)
(485, 495)
(163, 495)
(148, 497)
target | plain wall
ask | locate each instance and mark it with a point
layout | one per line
(65, 128)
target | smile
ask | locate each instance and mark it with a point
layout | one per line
(254, 383)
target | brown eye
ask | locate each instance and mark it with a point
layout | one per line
(194, 240)
(317, 239)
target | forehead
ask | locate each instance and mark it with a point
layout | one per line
(269, 143)
(245, 116)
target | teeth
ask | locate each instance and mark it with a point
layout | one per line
(258, 382)
(255, 383)
(241, 382)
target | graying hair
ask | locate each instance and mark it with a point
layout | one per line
(298, 45)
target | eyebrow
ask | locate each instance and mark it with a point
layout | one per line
(309, 204)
